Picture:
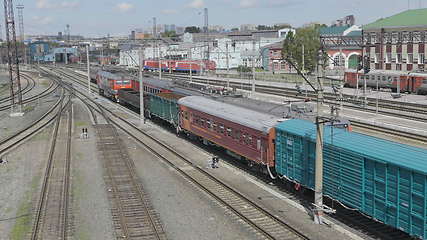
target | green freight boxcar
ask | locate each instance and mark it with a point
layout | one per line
(164, 106)
(383, 179)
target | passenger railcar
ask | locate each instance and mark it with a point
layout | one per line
(383, 179)
(179, 65)
(411, 82)
(109, 83)
(243, 133)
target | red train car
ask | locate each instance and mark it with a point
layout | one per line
(180, 65)
(110, 82)
(242, 132)
(410, 82)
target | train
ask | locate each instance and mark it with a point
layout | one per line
(410, 82)
(382, 179)
(179, 65)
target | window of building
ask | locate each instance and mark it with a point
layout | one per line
(398, 58)
(377, 58)
(421, 58)
(338, 60)
(388, 58)
(410, 58)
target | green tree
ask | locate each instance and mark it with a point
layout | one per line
(292, 47)
(169, 34)
(192, 29)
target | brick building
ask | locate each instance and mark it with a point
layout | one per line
(343, 57)
(397, 42)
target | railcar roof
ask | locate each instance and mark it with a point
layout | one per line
(373, 148)
(247, 117)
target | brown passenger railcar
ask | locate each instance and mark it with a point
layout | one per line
(242, 132)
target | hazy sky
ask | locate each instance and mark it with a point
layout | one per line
(118, 17)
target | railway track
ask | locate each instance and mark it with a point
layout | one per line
(19, 137)
(28, 87)
(46, 92)
(51, 213)
(411, 111)
(362, 223)
(132, 212)
(254, 216)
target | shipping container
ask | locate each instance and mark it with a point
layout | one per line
(383, 179)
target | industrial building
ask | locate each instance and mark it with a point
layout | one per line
(397, 42)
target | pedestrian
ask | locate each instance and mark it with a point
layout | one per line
(87, 134)
(216, 162)
(213, 161)
(83, 133)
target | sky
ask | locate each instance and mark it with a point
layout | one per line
(96, 18)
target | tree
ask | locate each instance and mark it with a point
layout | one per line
(169, 34)
(192, 29)
(292, 47)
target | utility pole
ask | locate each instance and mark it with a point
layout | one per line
(12, 56)
(20, 8)
(88, 69)
(160, 63)
(253, 67)
(141, 88)
(318, 192)
(228, 65)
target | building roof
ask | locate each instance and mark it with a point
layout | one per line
(334, 30)
(246, 117)
(373, 148)
(354, 34)
(409, 18)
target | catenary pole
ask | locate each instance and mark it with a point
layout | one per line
(318, 192)
(141, 88)
(88, 68)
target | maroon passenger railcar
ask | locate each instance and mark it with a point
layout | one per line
(242, 132)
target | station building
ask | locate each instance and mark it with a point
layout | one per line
(397, 42)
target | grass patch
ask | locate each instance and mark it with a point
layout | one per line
(23, 223)
(44, 83)
(81, 231)
(80, 124)
(29, 108)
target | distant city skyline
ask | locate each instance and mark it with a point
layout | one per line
(97, 18)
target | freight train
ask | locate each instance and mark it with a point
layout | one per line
(411, 82)
(179, 65)
(382, 179)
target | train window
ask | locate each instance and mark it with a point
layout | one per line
(379, 78)
(258, 144)
(389, 79)
(250, 140)
(244, 137)
(202, 122)
(186, 115)
(384, 78)
(425, 81)
(372, 77)
(229, 132)
(395, 79)
(221, 128)
(208, 124)
(214, 126)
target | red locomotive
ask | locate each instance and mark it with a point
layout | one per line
(411, 82)
(110, 82)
